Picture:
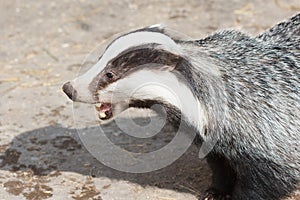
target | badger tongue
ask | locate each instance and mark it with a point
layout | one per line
(104, 111)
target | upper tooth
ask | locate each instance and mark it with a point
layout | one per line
(97, 109)
(98, 104)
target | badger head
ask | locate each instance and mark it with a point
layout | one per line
(140, 69)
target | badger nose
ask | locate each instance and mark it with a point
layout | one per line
(69, 90)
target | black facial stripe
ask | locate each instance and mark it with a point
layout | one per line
(174, 115)
(143, 103)
(131, 60)
(140, 57)
(152, 46)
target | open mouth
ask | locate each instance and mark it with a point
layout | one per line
(104, 110)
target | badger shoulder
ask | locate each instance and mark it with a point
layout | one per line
(283, 35)
(279, 45)
(286, 33)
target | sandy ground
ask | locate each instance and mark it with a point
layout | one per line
(43, 44)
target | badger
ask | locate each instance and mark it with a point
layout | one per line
(241, 91)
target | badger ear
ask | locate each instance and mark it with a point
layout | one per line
(172, 61)
(160, 28)
(168, 67)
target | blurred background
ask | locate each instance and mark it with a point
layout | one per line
(44, 43)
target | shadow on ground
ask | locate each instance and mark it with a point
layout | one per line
(53, 149)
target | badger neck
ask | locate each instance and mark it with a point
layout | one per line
(203, 77)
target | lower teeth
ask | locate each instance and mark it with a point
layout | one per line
(102, 114)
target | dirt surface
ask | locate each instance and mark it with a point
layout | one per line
(43, 44)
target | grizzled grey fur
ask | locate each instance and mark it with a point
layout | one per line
(253, 107)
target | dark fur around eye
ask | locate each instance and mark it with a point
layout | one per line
(109, 75)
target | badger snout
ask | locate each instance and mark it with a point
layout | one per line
(69, 91)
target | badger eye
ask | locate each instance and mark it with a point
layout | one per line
(109, 75)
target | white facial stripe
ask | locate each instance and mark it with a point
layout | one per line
(128, 41)
(83, 92)
(82, 82)
(162, 85)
